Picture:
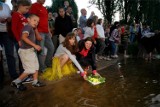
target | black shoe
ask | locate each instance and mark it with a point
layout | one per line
(19, 86)
(38, 84)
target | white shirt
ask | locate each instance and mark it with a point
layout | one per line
(100, 31)
(88, 32)
(62, 50)
(4, 13)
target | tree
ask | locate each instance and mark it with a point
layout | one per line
(107, 7)
(60, 3)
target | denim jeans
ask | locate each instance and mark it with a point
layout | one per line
(113, 47)
(20, 63)
(132, 38)
(45, 59)
(101, 46)
(8, 44)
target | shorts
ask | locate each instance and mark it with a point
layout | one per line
(29, 60)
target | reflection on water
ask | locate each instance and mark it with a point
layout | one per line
(129, 83)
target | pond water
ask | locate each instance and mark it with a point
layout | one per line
(129, 83)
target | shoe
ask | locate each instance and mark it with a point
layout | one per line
(114, 56)
(27, 80)
(19, 86)
(157, 56)
(108, 59)
(38, 84)
(126, 56)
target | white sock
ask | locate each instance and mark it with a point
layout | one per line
(17, 81)
(35, 81)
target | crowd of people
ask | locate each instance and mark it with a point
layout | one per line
(54, 45)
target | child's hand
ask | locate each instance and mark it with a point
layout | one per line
(85, 77)
(38, 37)
(37, 47)
(19, 43)
(97, 74)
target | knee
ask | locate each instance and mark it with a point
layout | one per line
(65, 57)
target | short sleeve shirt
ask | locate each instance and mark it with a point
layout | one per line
(31, 36)
(42, 12)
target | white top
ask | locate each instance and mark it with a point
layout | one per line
(100, 31)
(62, 50)
(146, 33)
(114, 35)
(4, 13)
(88, 32)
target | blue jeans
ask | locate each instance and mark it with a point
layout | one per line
(20, 63)
(113, 48)
(132, 38)
(45, 59)
(8, 44)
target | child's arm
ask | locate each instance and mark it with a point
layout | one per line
(25, 39)
(38, 36)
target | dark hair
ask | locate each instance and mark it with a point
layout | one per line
(23, 3)
(99, 21)
(89, 22)
(95, 19)
(73, 49)
(88, 39)
(61, 8)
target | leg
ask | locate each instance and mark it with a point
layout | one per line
(41, 54)
(20, 63)
(1, 70)
(63, 59)
(9, 51)
(50, 50)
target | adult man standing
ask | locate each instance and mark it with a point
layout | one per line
(43, 35)
(83, 19)
(5, 39)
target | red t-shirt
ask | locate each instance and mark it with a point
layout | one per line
(42, 12)
(18, 22)
(95, 36)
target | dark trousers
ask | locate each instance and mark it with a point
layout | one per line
(8, 44)
(1, 69)
(20, 63)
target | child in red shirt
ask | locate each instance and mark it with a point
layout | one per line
(18, 20)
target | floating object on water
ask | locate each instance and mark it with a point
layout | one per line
(95, 80)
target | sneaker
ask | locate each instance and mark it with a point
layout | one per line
(126, 56)
(27, 80)
(19, 86)
(108, 59)
(113, 56)
(38, 84)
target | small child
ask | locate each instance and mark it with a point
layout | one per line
(75, 31)
(28, 55)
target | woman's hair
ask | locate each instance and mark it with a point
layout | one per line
(89, 22)
(88, 39)
(99, 21)
(23, 3)
(73, 49)
(95, 18)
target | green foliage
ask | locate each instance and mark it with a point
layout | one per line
(137, 10)
(60, 3)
